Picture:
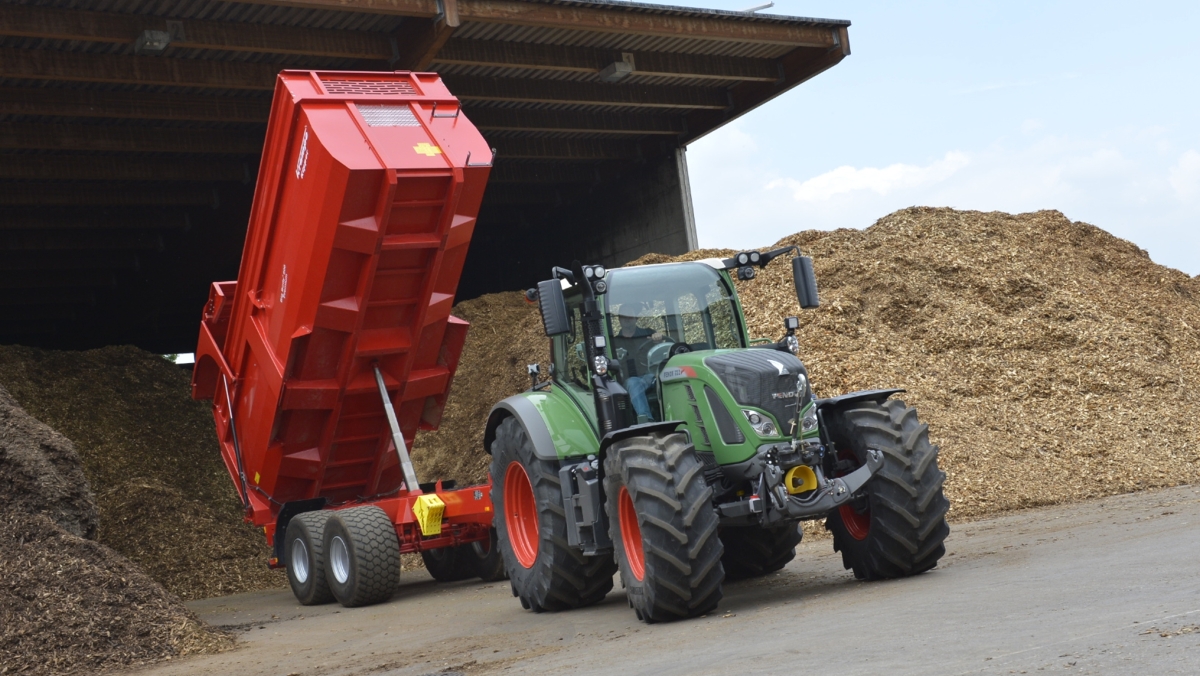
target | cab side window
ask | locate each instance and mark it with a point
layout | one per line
(575, 357)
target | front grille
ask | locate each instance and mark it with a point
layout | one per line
(764, 379)
(731, 434)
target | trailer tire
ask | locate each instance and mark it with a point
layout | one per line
(898, 526)
(489, 563)
(663, 527)
(546, 573)
(753, 551)
(450, 564)
(362, 556)
(304, 548)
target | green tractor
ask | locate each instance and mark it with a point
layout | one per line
(668, 445)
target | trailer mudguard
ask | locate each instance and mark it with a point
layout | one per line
(554, 424)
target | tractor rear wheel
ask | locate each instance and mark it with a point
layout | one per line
(663, 527)
(897, 526)
(304, 550)
(753, 551)
(362, 556)
(546, 573)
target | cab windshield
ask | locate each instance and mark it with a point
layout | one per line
(652, 309)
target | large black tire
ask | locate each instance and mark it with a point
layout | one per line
(450, 564)
(663, 527)
(753, 552)
(362, 556)
(898, 526)
(304, 556)
(546, 573)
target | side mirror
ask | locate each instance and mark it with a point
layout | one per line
(554, 308)
(806, 282)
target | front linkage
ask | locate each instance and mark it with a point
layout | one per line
(586, 482)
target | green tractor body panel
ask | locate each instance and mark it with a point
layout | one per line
(573, 433)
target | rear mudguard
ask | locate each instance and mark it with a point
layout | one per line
(554, 424)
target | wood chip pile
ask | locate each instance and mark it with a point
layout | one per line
(68, 604)
(1052, 361)
(150, 454)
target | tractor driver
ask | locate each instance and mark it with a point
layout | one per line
(627, 343)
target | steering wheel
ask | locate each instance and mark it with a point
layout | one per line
(654, 355)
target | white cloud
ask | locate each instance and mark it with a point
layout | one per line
(881, 181)
(1118, 180)
(1185, 176)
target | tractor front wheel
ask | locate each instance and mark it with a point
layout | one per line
(546, 573)
(897, 526)
(663, 527)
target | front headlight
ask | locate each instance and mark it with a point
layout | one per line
(761, 423)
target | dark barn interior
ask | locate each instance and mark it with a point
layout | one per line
(130, 133)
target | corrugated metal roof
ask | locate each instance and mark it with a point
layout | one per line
(214, 10)
(645, 8)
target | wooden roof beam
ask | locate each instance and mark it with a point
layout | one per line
(110, 168)
(630, 21)
(419, 39)
(45, 64)
(562, 58)
(43, 219)
(132, 105)
(474, 88)
(113, 28)
(565, 149)
(14, 193)
(66, 240)
(627, 123)
(74, 136)
(798, 66)
(730, 26)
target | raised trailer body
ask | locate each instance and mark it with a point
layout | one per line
(366, 200)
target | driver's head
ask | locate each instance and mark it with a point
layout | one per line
(628, 323)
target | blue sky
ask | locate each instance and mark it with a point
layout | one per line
(1091, 108)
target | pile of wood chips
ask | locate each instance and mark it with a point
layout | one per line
(1052, 361)
(68, 604)
(150, 454)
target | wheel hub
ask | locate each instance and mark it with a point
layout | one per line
(339, 559)
(299, 560)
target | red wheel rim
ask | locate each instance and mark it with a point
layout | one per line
(520, 514)
(631, 535)
(857, 525)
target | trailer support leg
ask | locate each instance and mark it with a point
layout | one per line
(410, 474)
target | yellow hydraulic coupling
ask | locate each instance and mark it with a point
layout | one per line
(800, 479)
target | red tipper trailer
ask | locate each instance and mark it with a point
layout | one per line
(336, 343)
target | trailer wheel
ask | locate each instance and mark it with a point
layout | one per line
(531, 526)
(663, 527)
(898, 525)
(304, 548)
(753, 551)
(450, 564)
(489, 564)
(362, 556)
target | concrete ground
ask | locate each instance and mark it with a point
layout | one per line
(1110, 586)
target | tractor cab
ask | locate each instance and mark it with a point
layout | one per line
(648, 315)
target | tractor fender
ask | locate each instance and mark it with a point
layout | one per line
(877, 396)
(636, 431)
(521, 408)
